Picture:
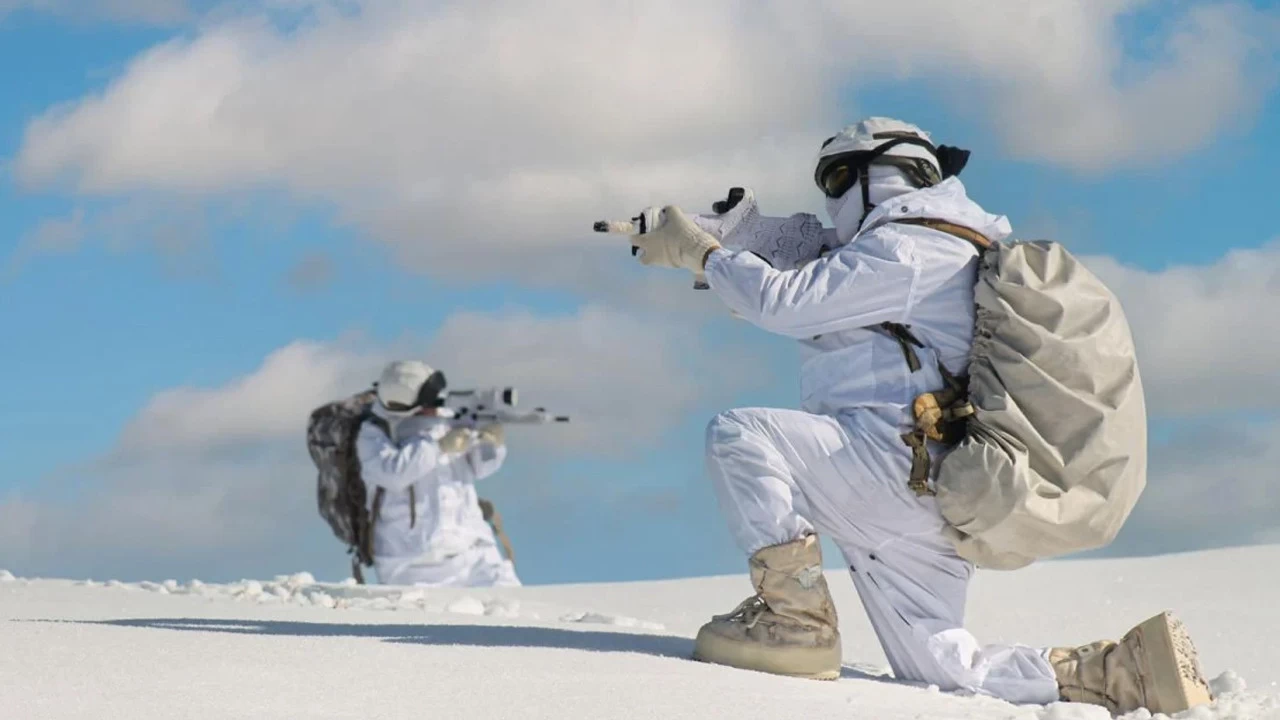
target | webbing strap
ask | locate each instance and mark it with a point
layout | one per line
(366, 542)
(491, 516)
(906, 340)
(917, 440)
(377, 504)
(919, 479)
(381, 424)
(960, 231)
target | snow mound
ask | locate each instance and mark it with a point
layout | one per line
(1075, 711)
(6, 576)
(1227, 682)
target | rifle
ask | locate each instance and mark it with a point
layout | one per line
(493, 405)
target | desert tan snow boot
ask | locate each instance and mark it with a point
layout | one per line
(788, 627)
(1154, 666)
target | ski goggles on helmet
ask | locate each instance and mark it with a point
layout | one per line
(430, 395)
(836, 174)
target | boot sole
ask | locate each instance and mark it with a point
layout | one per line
(1174, 677)
(806, 663)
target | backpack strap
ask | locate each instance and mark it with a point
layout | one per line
(379, 422)
(907, 340)
(918, 481)
(938, 415)
(494, 519)
(362, 551)
(964, 233)
(382, 424)
(916, 439)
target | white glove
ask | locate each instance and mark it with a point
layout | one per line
(675, 243)
(457, 440)
(492, 433)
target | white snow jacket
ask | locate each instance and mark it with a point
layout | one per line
(445, 518)
(889, 272)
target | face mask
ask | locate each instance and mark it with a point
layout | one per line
(846, 214)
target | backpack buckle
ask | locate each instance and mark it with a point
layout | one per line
(939, 416)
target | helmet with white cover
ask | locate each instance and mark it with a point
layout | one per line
(846, 158)
(409, 385)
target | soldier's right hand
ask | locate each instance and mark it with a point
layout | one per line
(457, 440)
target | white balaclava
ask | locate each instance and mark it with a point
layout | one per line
(901, 169)
(846, 211)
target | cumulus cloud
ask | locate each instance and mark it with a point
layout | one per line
(473, 144)
(1206, 336)
(620, 376)
(263, 406)
(204, 476)
(608, 369)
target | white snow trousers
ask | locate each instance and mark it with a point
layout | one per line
(779, 474)
(482, 565)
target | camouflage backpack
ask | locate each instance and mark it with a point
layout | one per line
(341, 495)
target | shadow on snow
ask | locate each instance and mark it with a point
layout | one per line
(667, 646)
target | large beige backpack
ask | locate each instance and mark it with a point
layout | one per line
(1048, 431)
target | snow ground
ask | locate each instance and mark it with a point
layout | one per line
(293, 648)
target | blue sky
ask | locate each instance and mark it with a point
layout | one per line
(168, 280)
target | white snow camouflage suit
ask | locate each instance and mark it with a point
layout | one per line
(435, 535)
(839, 466)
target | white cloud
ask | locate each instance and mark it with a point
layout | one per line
(1207, 338)
(623, 379)
(609, 369)
(1061, 85)
(485, 136)
(202, 477)
(263, 406)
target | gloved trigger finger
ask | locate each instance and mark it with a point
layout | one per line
(615, 227)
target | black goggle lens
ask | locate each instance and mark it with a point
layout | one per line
(838, 179)
(431, 392)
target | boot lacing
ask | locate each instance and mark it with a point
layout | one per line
(748, 611)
